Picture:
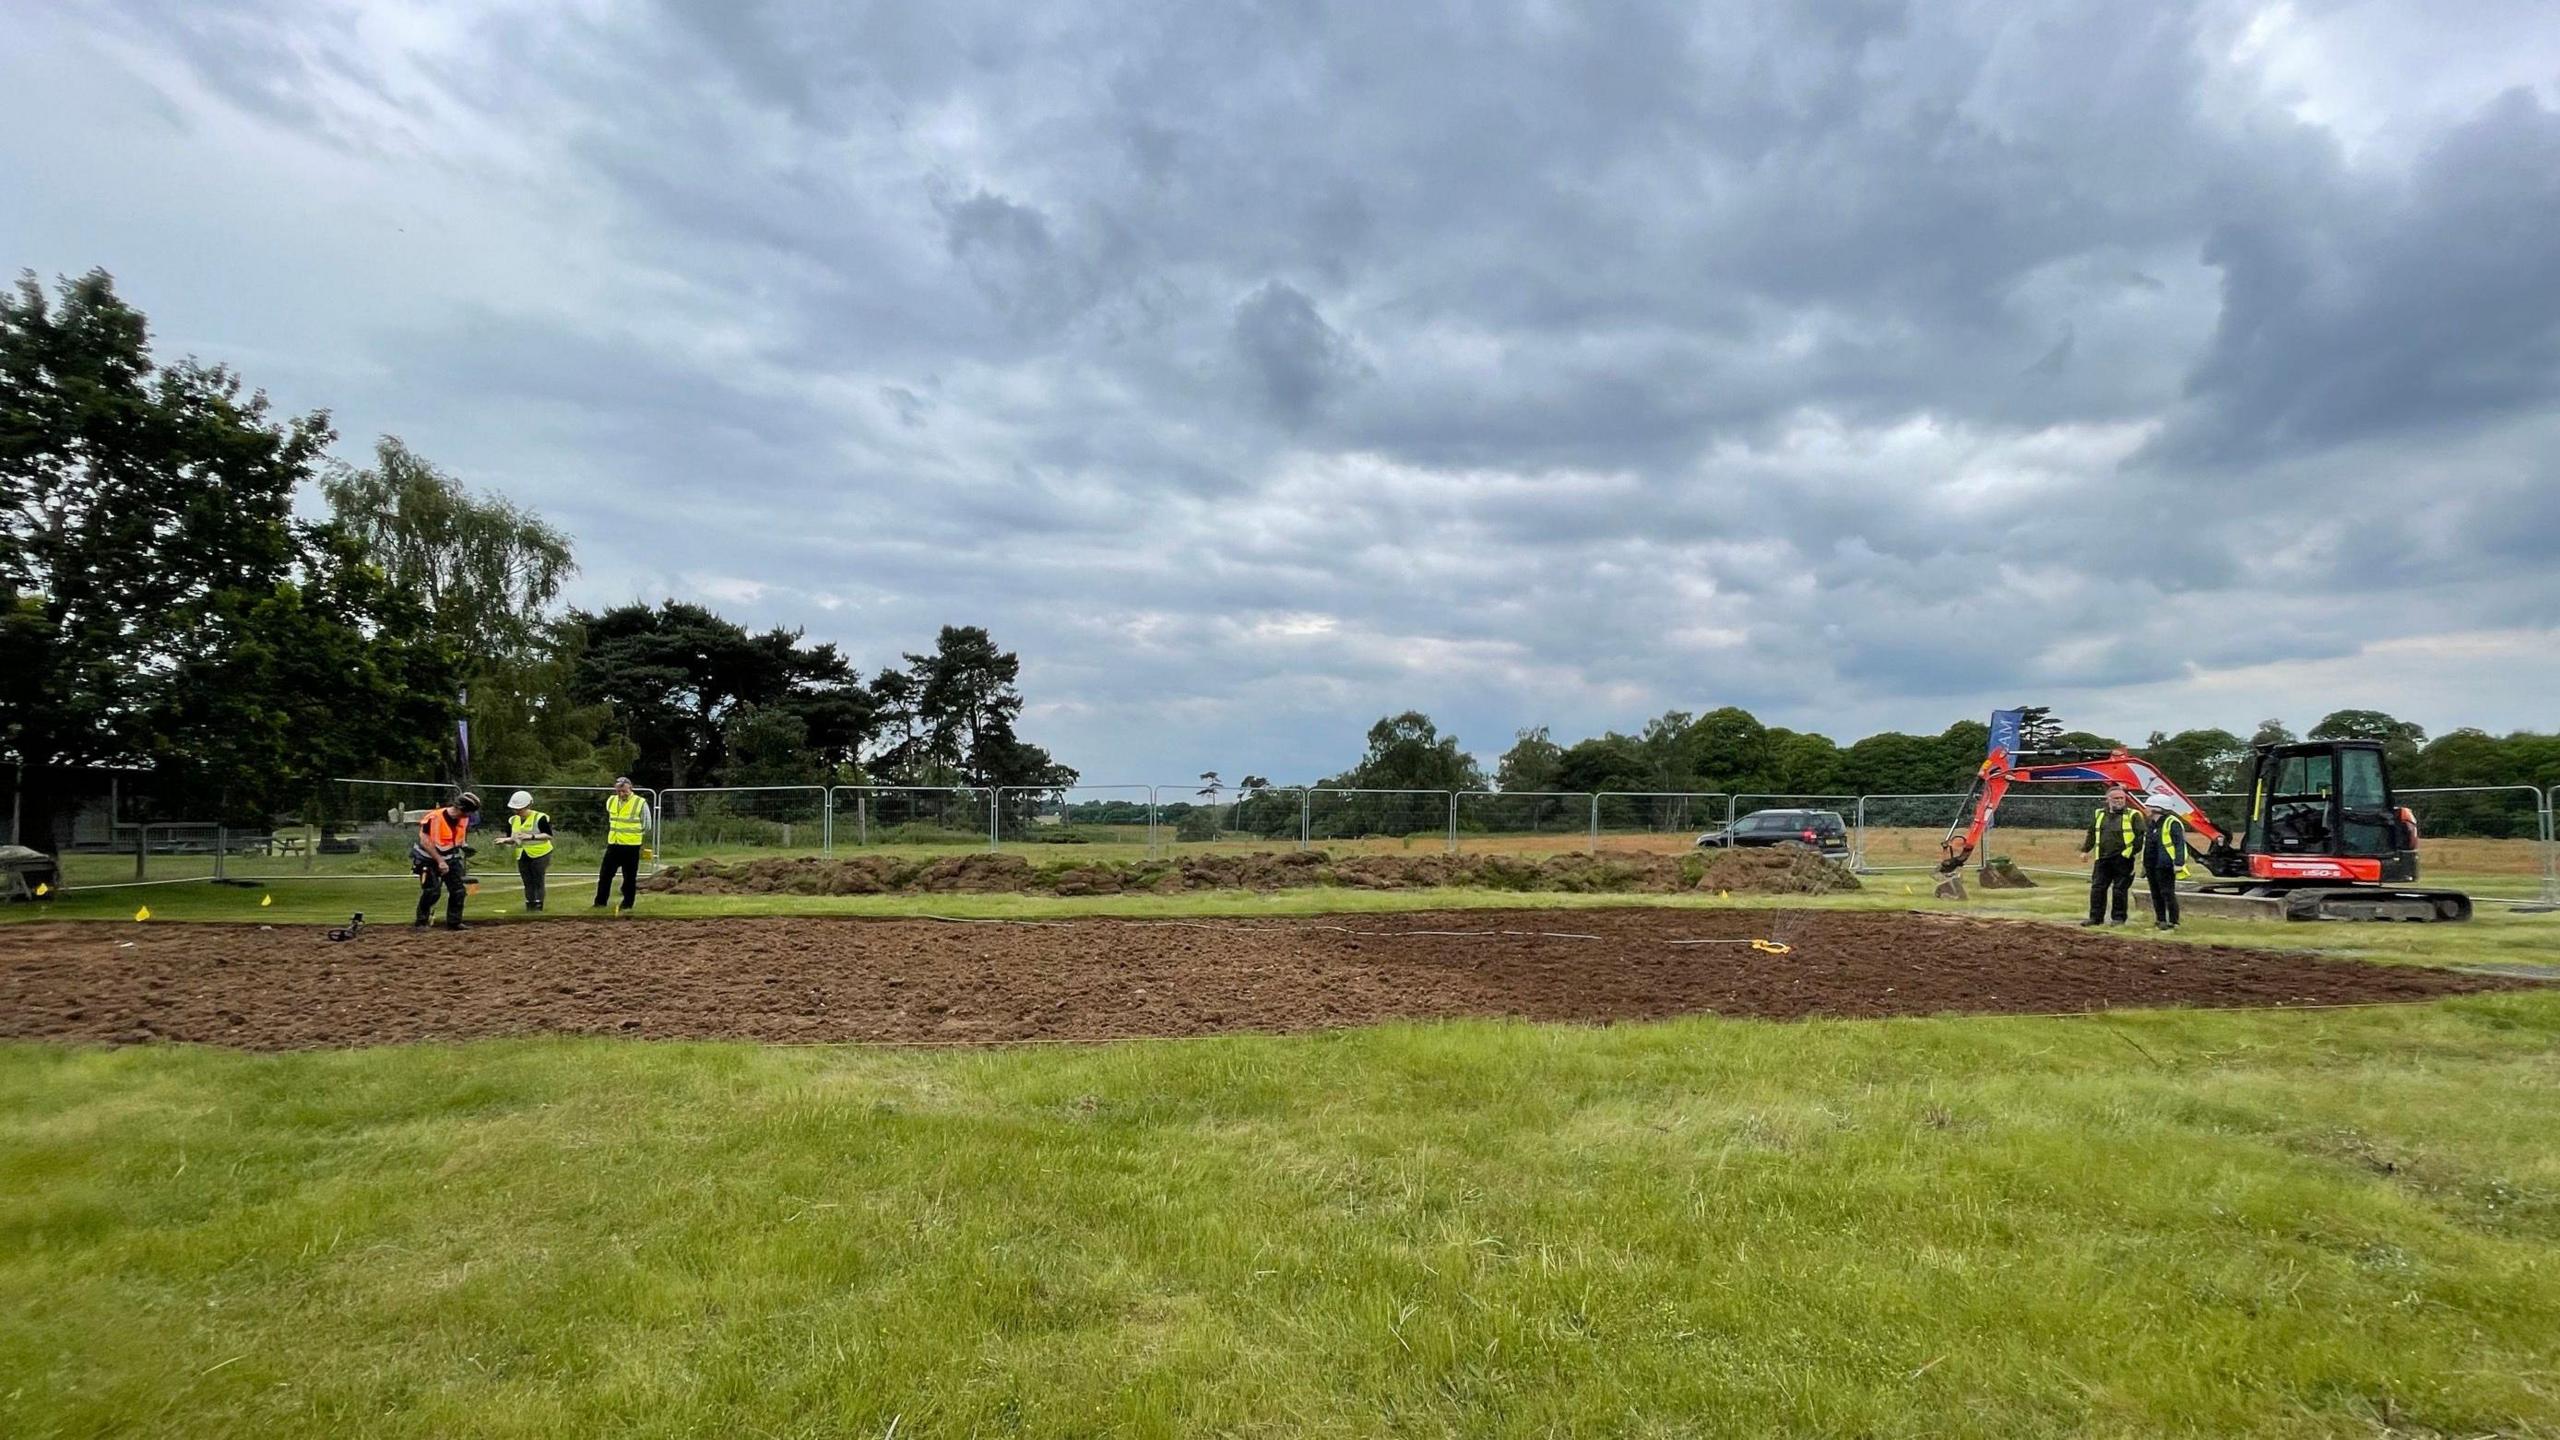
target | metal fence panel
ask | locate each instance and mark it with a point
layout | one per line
(1353, 819)
(1653, 820)
(1256, 820)
(1112, 816)
(1533, 822)
(2492, 840)
(695, 822)
(912, 817)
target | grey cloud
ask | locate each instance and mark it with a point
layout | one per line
(1297, 360)
(2393, 307)
(1789, 355)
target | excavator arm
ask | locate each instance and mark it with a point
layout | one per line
(2119, 767)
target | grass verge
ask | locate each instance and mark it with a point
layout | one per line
(2150, 1224)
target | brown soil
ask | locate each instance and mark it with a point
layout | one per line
(921, 981)
(2003, 874)
(1745, 872)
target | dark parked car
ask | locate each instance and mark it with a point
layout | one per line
(1820, 831)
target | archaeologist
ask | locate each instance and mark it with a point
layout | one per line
(626, 821)
(2115, 838)
(2164, 859)
(436, 858)
(529, 830)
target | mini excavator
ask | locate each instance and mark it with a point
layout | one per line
(2324, 837)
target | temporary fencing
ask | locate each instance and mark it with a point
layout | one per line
(1653, 819)
(1523, 821)
(1075, 815)
(1358, 818)
(2497, 841)
(752, 819)
(924, 816)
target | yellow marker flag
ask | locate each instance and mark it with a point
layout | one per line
(1724, 894)
(142, 914)
(265, 900)
(42, 889)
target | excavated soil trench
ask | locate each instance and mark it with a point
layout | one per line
(919, 981)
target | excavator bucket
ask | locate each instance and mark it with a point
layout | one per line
(1951, 885)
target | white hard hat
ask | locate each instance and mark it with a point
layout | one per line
(521, 800)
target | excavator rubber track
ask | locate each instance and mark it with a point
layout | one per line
(2352, 902)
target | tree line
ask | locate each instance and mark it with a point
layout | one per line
(1730, 751)
(165, 608)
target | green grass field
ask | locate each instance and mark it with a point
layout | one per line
(2163, 1223)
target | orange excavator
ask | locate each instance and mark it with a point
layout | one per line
(2324, 837)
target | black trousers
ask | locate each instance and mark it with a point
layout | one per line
(2164, 896)
(2111, 887)
(533, 870)
(625, 858)
(451, 882)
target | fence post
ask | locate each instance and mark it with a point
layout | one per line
(221, 852)
(827, 823)
(1452, 847)
(1858, 838)
(995, 820)
(1306, 811)
(1595, 822)
(141, 849)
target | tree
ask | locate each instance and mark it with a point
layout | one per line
(1728, 750)
(486, 570)
(767, 745)
(147, 546)
(966, 699)
(2400, 739)
(2271, 732)
(674, 675)
(2198, 761)
(1408, 752)
(1531, 764)
(1803, 764)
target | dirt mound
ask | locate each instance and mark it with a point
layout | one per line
(1743, 872)
(915, 981)
(1776, 870)
(2002, 873)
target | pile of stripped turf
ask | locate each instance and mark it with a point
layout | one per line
(1781, 871)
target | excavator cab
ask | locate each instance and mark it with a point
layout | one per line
(2323, 809)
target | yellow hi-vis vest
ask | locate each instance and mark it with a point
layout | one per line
(2104, 825)
(623, 820)
(526, 829)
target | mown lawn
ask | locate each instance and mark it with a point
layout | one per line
(2342, 1222)
(2190, 1224)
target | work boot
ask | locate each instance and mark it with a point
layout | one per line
(2085, 924)
(455, 925)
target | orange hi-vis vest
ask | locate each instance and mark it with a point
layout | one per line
(441, 833)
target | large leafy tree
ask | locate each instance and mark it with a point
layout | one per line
(1533, 762)
(680, 680)
(2198, 761)
(2401, 739)
(487, 573)
(1408, 752)
(148, 543)
(487, 570)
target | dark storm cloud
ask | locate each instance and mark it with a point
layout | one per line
(1297, 359)
(1551, 362)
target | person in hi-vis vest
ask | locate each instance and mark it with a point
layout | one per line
(529, 831)
(626, 829)
(2164, 859)
(2116, 835)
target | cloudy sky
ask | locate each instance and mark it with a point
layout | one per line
(1257, 369)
